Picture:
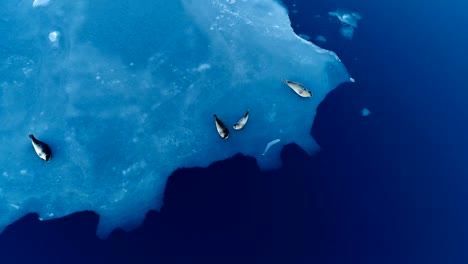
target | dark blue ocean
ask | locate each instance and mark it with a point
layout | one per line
(391, 187)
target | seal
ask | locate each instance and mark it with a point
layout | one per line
(221, 127)
(241, 123)
(41, 148)
(299, 88)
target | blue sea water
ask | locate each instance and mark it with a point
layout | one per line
(386, 188)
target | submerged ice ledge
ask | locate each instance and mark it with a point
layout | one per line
(349, 21)
(117, 130)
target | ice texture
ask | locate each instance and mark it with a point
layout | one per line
(37, 3)
(119, 125)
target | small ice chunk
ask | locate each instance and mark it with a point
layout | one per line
(14, 206)
(203, 67)
(304, 36)
(53, 37)
(365, 112)
(320, 38)
(270, 144)
(351, 79)
(37, 3)
(349, 18)
(347, 31)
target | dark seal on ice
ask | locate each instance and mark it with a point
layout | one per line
(221, 127)
(41, 148)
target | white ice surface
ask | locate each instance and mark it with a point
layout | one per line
(37, 3)
(117, 130)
